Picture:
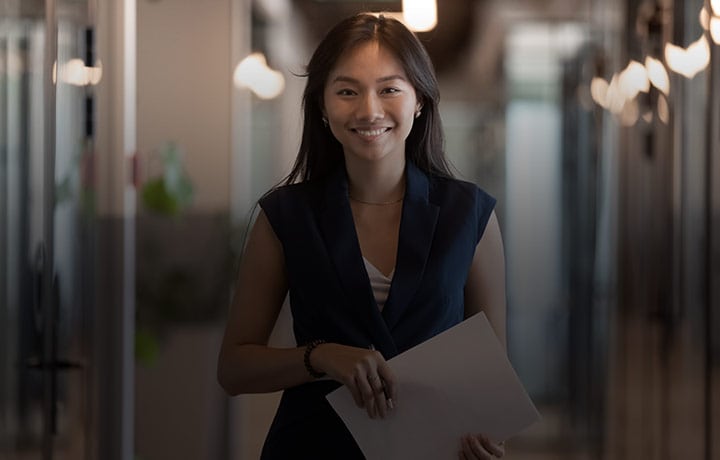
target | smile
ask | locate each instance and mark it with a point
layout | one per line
(371, 132)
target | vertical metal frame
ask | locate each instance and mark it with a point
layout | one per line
(113, 369)
(48, 299)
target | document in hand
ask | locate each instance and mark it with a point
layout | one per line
(457, 382)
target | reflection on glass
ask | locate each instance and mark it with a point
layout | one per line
(704, 19)
(633, 79)
(658, 75)
(619, 95)
(688, 61)
(663, 110)
(715, 30)
(75, 72)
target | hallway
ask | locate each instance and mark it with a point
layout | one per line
(134, 145)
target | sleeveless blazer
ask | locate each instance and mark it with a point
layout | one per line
(331, 297)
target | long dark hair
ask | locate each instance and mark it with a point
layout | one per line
(319, 151)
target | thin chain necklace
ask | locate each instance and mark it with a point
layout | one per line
(378, 203)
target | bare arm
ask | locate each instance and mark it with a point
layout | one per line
(485, 286)
(246, 364)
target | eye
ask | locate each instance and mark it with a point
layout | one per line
(345, 92)
(390, 90)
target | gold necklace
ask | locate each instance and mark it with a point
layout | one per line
(378, 203)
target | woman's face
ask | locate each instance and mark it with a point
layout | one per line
(370, 104)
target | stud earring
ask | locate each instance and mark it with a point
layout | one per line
(325, 121)
(417, 114)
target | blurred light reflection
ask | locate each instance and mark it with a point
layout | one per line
(704, 19)
(253, 73)
(629, 113)
(657, 74)
(420, 15)
(663, 110)
(598, 91)
(688, 61)
(74, 72)
(715, 29)
(619, 95)
(634, 79)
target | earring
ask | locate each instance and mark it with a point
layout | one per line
(417, 114)
(325, 121)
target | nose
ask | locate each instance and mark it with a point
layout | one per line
(369, 108)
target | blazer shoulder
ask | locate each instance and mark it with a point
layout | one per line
(458, 189)
(288, 196)
(464, 197)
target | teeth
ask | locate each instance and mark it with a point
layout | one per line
(372, 132)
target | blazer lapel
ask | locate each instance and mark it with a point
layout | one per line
(417, 228)
(338, 228)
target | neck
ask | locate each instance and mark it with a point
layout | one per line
(370, 183)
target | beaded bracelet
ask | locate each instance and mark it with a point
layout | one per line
(306, 358)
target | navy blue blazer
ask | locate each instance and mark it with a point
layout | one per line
(330, 294)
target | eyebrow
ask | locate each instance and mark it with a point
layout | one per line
(343, 78)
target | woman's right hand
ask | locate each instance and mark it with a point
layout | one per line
(365, 372)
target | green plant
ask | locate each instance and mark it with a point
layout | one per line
(172, 192)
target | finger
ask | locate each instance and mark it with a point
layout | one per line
(356, 393)
(379, 394)
(467, 450)
(368, 395)
(389, 380)
(477, 449)
(495, 448)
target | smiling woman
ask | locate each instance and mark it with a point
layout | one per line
(370, 193)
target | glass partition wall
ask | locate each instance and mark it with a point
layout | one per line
(47, 218)
(60, 363)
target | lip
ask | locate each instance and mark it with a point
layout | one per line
(371, 133)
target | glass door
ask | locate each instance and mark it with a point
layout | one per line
(24, 246)
(46, 228)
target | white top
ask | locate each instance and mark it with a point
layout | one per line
(380, 283)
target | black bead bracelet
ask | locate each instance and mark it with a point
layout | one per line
(308, 349)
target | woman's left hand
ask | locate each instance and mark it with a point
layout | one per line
(480, 447)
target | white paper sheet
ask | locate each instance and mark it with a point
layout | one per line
(458, 382)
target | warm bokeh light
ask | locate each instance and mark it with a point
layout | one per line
(253, 73)
(75, 72)
(663, 110)
(704, 19)
(615, 98)
(420, 15)
(715, 30)
(633, 79)
(629, 113)
(598, 91)
(715, 5)
(657, 74)
(688, 61)
(619, 96)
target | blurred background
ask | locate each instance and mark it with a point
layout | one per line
(136, 135)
